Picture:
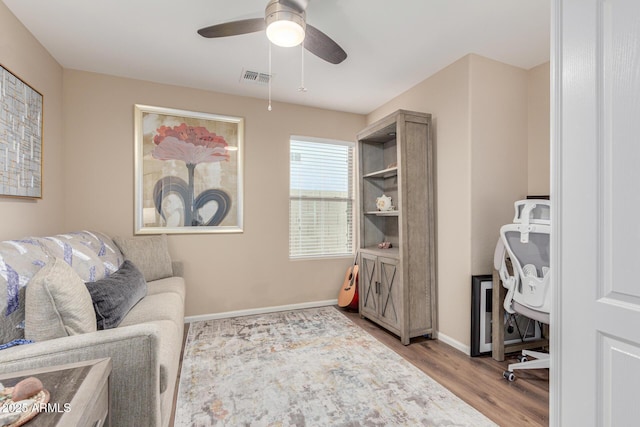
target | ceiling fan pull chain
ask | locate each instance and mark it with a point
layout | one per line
(302, 88)
(270, 76)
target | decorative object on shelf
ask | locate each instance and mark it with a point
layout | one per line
(384, 245)
(383, 203)
(20, 138)
(188, 171)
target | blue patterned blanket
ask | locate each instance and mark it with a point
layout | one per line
(92, 255)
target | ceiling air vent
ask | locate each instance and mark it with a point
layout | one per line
(255, 77)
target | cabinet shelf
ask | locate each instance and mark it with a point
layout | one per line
(383, 213)
(392, 252)
(385, 173)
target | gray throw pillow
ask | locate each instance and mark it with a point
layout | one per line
(149, 253)
(116, 294)
(57, 303)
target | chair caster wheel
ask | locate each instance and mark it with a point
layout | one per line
(522, 358)
(509, 376)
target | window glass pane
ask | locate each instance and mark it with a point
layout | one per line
(321, 169)
(320, 227)
(321, 199)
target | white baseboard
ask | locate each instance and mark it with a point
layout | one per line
(454, 343)
(262, 310)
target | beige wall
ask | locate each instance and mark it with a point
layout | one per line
(498, 99)
(21, 54)
(539, 125)
(446, 96)
(224, 272)
(480, 109)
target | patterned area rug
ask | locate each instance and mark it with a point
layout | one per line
(309, 367)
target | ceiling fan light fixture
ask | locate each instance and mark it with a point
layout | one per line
(285, 33)
(285, 26)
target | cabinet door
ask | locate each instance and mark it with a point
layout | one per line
(368, 291)
(390, 289)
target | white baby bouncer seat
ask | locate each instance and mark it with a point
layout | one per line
(526, 243)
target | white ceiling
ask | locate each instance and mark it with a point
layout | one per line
(391, 45)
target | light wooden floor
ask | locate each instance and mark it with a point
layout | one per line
(476, 380)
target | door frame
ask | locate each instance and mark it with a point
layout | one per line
(555, 389)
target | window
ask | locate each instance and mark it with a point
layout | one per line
(321, 198)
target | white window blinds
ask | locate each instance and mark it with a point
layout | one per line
(321, 198)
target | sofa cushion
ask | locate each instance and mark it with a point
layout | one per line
(116, 294)
(20, 260)
(149, 253)
(170, 284)
(57, 304)
(165, 306)
(91, 254)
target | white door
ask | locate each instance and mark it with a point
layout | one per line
(595, 371)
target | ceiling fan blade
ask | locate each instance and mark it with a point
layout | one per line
(298, 5)
(233, 28)
(321, 45)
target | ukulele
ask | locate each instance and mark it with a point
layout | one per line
(348, 297)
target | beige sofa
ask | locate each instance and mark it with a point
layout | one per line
(144, 346)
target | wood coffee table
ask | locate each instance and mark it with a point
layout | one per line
(79, 393)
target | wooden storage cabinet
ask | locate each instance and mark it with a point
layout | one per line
(382, 286)
(398, 285)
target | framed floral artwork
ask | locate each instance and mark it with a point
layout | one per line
(188, 171)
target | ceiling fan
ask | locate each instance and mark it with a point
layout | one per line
(285, 24)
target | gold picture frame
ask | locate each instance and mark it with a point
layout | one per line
(188, 171)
